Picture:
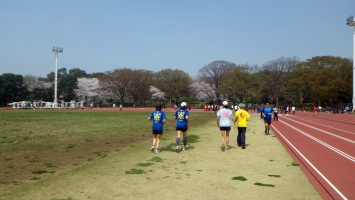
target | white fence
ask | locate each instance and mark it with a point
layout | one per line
(46, 105)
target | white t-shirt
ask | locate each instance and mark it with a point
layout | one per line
(224, 116)
(293, 108)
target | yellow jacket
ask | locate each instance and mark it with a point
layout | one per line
(242, 118)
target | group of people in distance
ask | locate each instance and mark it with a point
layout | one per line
(224, 122)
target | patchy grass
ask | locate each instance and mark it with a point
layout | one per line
(294, 163)
(192, 138)
(183, 162)
(156, 159)
(170, 147)
(35, 178)
(135, 171)
(239, 178)
(40, 171)
(145, 164)
(276, 176)
(264, 184)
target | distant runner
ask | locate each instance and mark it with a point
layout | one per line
(267, 117)
(181, 116)
(276, 116)
(224, 117)
(159, 119)
(241, 117)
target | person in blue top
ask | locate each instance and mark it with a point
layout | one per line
(267, 112)
(182, 117)
(158, 117)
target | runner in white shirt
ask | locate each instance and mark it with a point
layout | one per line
(224, 118)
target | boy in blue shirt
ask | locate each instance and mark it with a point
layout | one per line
(267, 111)
(159, 119)
(181, 116)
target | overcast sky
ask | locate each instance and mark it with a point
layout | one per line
(99, 36)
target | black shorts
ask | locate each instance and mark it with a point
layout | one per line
(267, 121)
(157, 132)
(181, 129)
(225, 128)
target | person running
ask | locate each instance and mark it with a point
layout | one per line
(276, 116)
(293, 110)
(224, 117)
(182, 117)
(158, 117)
(267, 117)
(241, 118)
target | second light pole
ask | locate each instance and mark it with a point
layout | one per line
(56, 51)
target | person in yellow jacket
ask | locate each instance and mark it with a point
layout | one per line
(241, 118)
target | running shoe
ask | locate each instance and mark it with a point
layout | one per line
(157, 150)
(184, 148)
(222, 148)
(177, 149)
(152, 148)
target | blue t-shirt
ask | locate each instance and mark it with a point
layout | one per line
(181, 121)
(157, 117)
(268, 113)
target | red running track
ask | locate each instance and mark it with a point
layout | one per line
(324, 146)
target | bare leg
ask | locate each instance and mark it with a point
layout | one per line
(157, 141)
(227, 139)
(223, 139)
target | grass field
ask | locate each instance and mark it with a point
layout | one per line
(37, 144)
(104, 155)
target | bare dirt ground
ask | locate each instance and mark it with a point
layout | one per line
(202, 172)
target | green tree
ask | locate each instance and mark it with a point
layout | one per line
(239, 84)
(175, 83)
(78, 73)
(11, 88)
(213, 72)
(138, 88)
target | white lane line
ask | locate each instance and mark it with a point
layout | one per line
(327, 126)
(345, 155)
(326, 132)
(310, 164)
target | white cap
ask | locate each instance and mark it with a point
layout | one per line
(183, 104)
(225, 103)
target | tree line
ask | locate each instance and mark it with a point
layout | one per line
(321, 80)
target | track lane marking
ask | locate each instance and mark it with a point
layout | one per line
(326, 132)
(345, 155)
(310, 164)
(327, 126)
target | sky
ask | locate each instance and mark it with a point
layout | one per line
(100, 36)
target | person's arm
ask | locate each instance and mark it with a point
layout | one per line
(164, 119)
(235, 119)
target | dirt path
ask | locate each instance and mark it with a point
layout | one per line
(202, 172)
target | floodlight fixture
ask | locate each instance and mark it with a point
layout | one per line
(350, 21)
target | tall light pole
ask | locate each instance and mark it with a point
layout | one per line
(350, 22)
(56, 51)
